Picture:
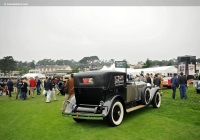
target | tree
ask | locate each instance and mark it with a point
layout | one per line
(32, 64)
(75, 70)
(45, 62)
(148, 63)
(8, 64)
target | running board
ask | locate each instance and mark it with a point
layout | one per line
(135, 108)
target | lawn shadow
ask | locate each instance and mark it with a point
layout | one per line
(93, 123)
(138, 113)
(104, 123)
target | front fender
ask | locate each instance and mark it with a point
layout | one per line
(153, 91)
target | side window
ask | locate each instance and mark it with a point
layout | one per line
(119, 83)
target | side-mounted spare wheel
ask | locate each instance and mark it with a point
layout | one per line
(156, 102)
(145, 96)
(116, 113)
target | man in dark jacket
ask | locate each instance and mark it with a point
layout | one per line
(24, 89)
(174, 82)
(48, 89)
(10, 86)
(156, 81)
(148, 78)
(182, 84)
(38, 86)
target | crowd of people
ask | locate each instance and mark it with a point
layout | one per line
(153, 80)
(25, 88)
(177, 81)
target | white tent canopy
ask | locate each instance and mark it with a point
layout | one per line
(34, 75)
(164, 70)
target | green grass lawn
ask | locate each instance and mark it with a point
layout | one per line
(37, 120)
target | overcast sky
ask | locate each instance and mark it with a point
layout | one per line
(132, 33)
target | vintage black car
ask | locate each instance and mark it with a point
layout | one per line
(107, 95)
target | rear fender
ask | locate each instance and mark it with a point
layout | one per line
(108, 103)
(70, 104)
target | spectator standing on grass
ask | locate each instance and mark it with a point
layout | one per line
(15, 85)
(56, 83)
(70, 84)
(48, 89)
(141, 78)
(43, 83)
(10, 87)
(148, 78)
(19, 84)
(60, 85)
(38, 86)
(53, 93)
(174, 81)
(151, 76)
(32, 86)
(156, 81)
(161, 82)
(28, 88)
(183, 85)
(24, 89)
(195, 80)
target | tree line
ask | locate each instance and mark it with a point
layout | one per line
(8, 64)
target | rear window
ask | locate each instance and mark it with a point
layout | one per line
(87, 80)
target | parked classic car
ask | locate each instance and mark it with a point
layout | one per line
(167, 82)
(107, 97)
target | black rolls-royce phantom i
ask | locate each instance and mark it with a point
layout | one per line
(107, 95)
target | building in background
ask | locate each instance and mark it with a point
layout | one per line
(54, 69)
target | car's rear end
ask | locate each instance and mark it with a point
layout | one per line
(167, 82)
(89, 96)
